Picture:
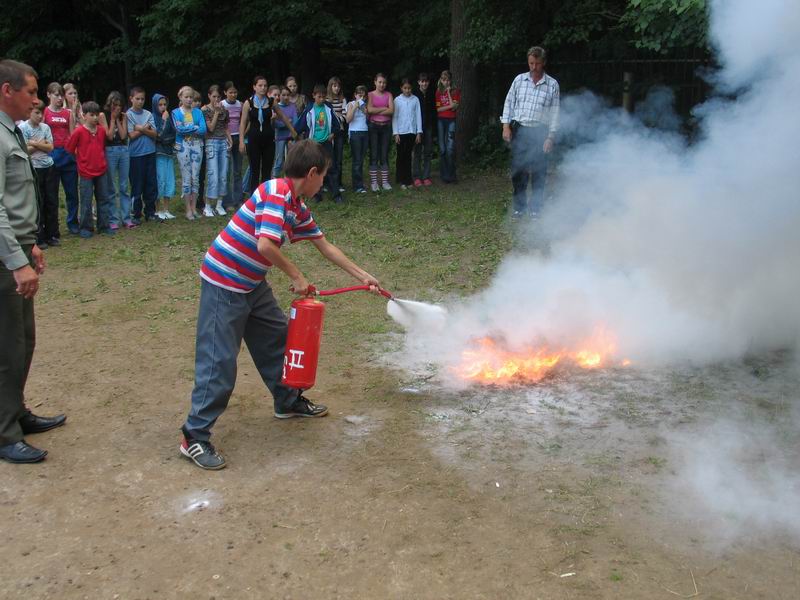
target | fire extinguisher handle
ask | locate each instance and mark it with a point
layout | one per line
(310, 291)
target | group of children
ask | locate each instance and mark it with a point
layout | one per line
(123, 159)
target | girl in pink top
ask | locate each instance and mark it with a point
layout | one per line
(380, 108)
(62, 122)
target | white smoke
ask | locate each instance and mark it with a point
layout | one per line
(685, 252)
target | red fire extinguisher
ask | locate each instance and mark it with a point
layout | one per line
(303, 338)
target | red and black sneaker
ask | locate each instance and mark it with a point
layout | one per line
(203, 454)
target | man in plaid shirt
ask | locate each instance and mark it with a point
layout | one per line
(530, 122)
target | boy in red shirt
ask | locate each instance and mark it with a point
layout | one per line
(88, 144)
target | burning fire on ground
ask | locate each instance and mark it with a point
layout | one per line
(487, 361)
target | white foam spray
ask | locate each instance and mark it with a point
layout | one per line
(417, 316)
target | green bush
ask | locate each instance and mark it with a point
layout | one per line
(487, 148)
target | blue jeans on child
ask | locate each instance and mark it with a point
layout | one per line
(232, 195)
(447, 150)
(281, 146)
(333, 177)
(67, 172)
(144, 185)
(224, 319)
(422, 155)
(190, 157)
(96, 185)
(359, 143)
(118, 160)
(246, 182)
(216, 168)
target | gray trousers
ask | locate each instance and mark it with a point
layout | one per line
(17, 340)
(225, 318)
(529, 164)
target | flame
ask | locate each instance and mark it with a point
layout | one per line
(486, 361)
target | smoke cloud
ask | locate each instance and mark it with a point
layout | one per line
(686, 252)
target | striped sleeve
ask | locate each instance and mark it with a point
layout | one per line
(306, 228)
(270, 211)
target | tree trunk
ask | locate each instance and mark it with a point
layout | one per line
(309, 70)
(465, 78)
(123, 26)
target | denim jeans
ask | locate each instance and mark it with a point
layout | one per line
(529, 164)
(224, 319)
(359, 142)
(422, 155)
(190, 155)
(447, 150)
(281, 146)
(118, 160)
(68, 174)
(379, 136)
(144, 185)
(327, 146)
(216, 168)
(232, 195)
(96, 185)
(246, 182)
(333, 177)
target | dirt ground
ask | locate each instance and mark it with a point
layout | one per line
(566, 489)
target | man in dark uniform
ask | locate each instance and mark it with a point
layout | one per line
(21, 264)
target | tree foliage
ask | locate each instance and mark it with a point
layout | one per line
(663, 25)
(658, 25)
(107, 44)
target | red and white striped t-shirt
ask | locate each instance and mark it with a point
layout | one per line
(233, 262)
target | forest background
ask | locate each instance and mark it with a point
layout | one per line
(102, 45)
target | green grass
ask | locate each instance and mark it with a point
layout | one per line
(426, 244)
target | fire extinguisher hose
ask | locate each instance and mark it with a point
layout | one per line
(355, 288)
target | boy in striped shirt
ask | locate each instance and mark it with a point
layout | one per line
(237, 303)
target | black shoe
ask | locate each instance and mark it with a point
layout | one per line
(154, 218)
(203, 454)
(303, 407)
(136, 221)
(30, 423)
(54, 242)
(22, 452)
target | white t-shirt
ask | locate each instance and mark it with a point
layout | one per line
(42, 133)
(359, 122)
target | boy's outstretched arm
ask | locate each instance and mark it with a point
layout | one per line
(337, 257)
